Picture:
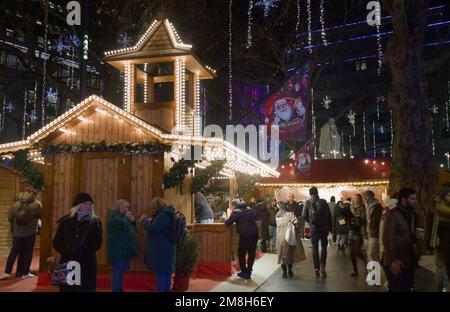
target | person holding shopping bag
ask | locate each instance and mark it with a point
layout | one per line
(289, 244)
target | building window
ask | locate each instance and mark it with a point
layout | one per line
(20, 36)
(41, 42)
(3, 56)
(361, 65)
(9, 33)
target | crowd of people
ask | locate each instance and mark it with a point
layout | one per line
(388, 233)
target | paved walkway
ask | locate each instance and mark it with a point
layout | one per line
(339, 269)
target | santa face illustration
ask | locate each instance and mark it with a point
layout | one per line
(282, 111)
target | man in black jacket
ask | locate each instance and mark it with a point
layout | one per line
(318, 215)
(248, 237)
(297, 209)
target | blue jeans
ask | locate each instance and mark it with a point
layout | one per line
(317, 236)
(342, 239)
(118, 269)
(273, 235)
(163, 281)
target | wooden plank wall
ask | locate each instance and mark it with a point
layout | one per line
(106, 179)
(215, 242)
(63, 170)
(9, 189)
(146, 181)
(161, 116)
(101, 127)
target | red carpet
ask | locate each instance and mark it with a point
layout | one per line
(207, 276)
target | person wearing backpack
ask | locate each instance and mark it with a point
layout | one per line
(318, 215)
(121, 242)
(24, 216)
(161, 249)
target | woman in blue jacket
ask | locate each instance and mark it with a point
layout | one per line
(160, 256)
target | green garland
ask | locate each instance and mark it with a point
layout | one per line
(202, 176)
(145, 148)
(31, 172)
(175, 177)
(246, 183)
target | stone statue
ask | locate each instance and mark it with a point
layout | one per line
(330, 140)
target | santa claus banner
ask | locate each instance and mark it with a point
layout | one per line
(303, 159)
(289, 107)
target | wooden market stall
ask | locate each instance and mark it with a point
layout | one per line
(341, 178)
(112, 153)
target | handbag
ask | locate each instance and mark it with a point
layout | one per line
(290, 235)
(59, 271)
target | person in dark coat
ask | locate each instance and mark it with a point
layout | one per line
(296, 209)
(318, 215)
(273, 210)
(342, 215)
(400, 251)
(262, 214)
(248, 237)
(78, 238)
(161, 252)
(121, 242)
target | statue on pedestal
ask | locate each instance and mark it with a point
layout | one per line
(330, 141)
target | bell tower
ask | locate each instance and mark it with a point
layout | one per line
(162, 79)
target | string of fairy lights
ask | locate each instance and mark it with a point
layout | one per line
(230, 61)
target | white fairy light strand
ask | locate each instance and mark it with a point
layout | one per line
(447, 104)
(2, 117)
(313, 123)
(350, 145)
(298, 16)
(44, 70)
(230, 62)
(392, 131)
(322, 23)
(364, 132)
(380, 50)
(24, 117)
(249, 26)
(309, 26)
(374, 139)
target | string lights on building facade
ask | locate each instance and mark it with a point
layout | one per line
(145, 84)
(298, 16)
(249, 24)
(308, 7)
(322, 23)
(374, 133)
(364, 132)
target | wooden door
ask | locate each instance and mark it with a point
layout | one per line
(105, 176)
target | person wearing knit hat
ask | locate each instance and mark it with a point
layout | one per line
(78, 238)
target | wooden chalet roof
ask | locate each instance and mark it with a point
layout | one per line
(59, 128)
(160, 43)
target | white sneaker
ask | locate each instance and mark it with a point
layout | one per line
(4, 276)
(28, 275)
